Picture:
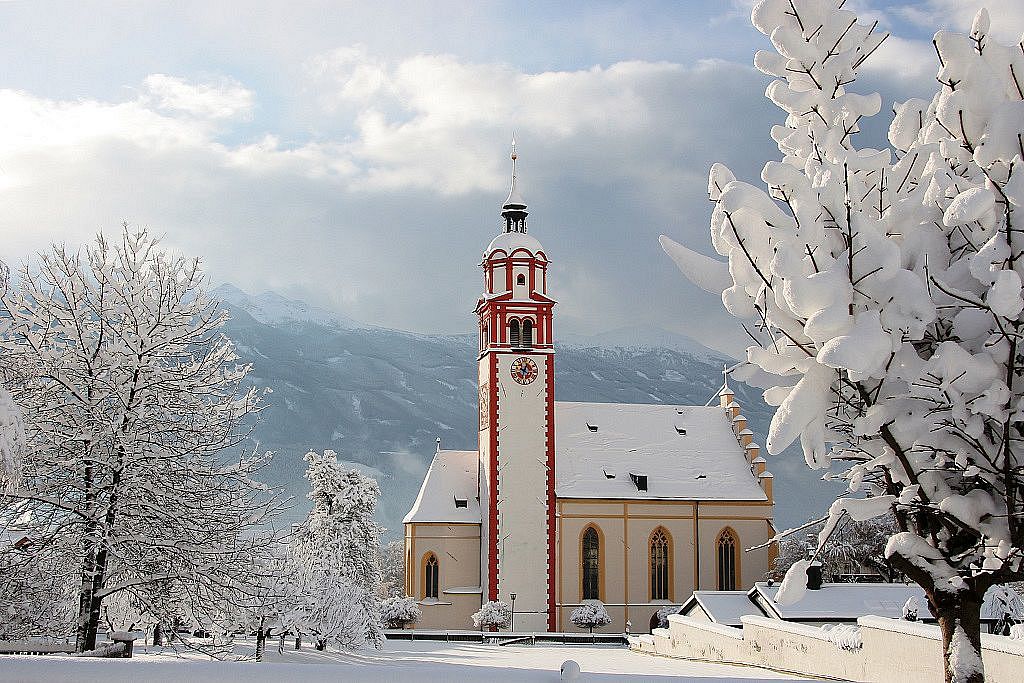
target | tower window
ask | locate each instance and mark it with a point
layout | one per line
(726, 556)
(513, 332)
(520, 279)
(430, 576)
(528, 333)
(591, 561)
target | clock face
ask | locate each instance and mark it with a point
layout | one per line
(524, 370)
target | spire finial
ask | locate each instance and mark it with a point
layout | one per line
(514, 210)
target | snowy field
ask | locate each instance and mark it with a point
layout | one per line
(399, 661)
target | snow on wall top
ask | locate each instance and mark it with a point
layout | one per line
(705, 463)
(451, 476)
(510, 241)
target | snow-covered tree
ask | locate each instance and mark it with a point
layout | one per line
(852, 548)
(399, 612)
(883, 288)
(336, 548)
(131, 398)
(392, 570)
(493, 614)
(590, 614)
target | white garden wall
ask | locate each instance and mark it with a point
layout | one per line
(891, 650)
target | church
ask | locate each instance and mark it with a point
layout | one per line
(633, 505)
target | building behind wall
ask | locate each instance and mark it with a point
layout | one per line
(631, 504)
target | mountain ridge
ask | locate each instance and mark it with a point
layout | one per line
(381, 398)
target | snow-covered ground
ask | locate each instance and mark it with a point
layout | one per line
(399, 661)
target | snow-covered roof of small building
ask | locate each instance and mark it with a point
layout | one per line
(685, 452)
(722, 607)
(843, 601)
(510, 241)
(450, 478)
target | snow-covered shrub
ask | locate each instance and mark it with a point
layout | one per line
(663, 615)
(843, 636)
(590, 614)
(910, 609)
(398, 612)
(493, 614)
(884, 288)
(1017, 631)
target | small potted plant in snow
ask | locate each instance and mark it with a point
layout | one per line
(590, 614)
(398, 612)
(493, 615)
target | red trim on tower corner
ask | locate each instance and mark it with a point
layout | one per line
(492, 513)
(551, 489)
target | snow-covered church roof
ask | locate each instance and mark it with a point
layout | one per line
(448, 492)
(618, 451)
(684, 453)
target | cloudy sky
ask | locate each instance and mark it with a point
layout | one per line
(355, 154)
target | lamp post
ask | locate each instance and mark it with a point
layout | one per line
(512, 620)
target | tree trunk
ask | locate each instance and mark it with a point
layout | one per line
(321, 645)
(959, 617)
(298, 641)
(158, 634)
(261, 640)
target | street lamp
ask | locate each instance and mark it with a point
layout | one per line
(512, 621)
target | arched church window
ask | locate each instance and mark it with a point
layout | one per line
(430, 576)
(520, 279)
(591, 561)
(528, 333)
(661, 557)
(513, 332)
(726, 559)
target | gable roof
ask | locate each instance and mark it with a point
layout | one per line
(722, 607)
(451, 476)
(686, 453)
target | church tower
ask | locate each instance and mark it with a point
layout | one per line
(517, 421)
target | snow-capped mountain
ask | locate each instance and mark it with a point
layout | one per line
(381, 397)
(271, 308)
(646, 336)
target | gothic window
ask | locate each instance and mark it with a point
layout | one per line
(726, 555)
(513, 332)
(527, 333)
(520, 279)
(591, 561)
(661, 554)
(483, 337)
(430, 576)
